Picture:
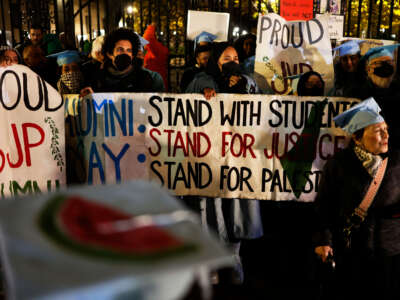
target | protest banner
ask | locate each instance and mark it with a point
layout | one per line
(234, 146)
(290, 48)
(212, 22)
(32, 150)
(296, 9)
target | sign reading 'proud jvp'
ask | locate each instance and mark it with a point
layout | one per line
(32, 139)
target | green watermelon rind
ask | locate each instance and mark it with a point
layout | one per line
(48, 225)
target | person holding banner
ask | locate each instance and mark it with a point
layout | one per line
(71, 78)
(232, 219)
(222, 75)
(358, 208)
(120, 73)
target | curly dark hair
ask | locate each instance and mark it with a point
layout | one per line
(119, 35)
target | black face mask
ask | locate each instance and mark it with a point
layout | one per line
(231, 68)
(314, 91)
(122, 61)
(385, 70)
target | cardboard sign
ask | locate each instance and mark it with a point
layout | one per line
(212, 22)
(290, 48)
(234, 146)
(55, 264)
(296, 9)
(32, 144)
(335, 25)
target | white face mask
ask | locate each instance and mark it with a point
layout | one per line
(73, 81)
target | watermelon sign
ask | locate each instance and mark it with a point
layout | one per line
(76, 223)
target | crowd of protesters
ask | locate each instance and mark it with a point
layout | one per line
(123, 61)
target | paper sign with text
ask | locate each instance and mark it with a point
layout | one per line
(234, 146)
(290, 48)
(296, 9)
(335, 25)
(32, 139)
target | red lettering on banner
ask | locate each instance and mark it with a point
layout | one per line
(157, 152)
(28, 145)
(305, 150)
(244, 142)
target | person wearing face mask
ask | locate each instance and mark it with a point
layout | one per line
(358, 209)
(71, 79)
(234, 220)
(379, 66)
(120, 73)
(310, 84)
(223, 74)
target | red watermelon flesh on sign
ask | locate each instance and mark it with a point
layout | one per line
(80, 219)
(74, 222)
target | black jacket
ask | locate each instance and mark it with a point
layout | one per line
(138, 80)
(342, 187)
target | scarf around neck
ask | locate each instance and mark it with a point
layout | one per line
(369, 161)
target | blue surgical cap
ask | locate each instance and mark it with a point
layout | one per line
(66, 57)
(204, 36)
(349, 48)
(382, 51)
(359, 116)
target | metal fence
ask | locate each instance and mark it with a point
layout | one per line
(83, 20)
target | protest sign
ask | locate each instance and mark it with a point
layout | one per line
(234, 146)
(32, 157)
(335, 25)
(296, 9)
(212, 22)
(290, 48)
(70, 257)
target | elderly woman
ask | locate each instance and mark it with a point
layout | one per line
(358, 205)
(232, 219)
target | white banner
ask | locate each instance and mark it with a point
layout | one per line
(290, 48)
(32, 140)
(234, 146)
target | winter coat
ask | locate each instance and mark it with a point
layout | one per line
(342, 187)
(370, 269)
(135, 81)
(156, 57)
